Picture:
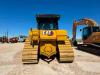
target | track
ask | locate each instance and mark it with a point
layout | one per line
(66, 53)
(94, 49)
(30, 53)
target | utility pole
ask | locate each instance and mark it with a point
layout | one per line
(7, 36)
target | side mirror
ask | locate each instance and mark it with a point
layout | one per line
(30, 29)
(68, 36)
(80, 30)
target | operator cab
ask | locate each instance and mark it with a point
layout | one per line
(87, 31)
(47, 21)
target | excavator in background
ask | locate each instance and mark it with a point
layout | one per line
(47, 41)
(90, 33)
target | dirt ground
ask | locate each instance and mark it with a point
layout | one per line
(11, 64)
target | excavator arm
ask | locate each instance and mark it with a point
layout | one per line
(84, 21)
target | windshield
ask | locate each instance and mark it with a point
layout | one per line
(48, 26)
(86, 32)
(96, 29)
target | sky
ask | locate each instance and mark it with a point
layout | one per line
(18, 16)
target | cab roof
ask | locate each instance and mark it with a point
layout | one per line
(47, 17)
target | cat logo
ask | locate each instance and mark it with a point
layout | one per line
(48, 32)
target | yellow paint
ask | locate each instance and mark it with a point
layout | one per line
(44, 35)
(47, 40)
(47, 48)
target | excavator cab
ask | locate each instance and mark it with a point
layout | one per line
(87, 31)
(47, 22)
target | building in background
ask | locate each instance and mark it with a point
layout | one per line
(21, 38)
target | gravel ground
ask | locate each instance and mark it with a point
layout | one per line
(11, 64)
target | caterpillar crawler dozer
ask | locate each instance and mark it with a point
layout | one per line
(47, 41)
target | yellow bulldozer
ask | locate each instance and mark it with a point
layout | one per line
(47, 41)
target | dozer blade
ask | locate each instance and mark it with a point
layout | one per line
(66, 53)
(29, 53)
